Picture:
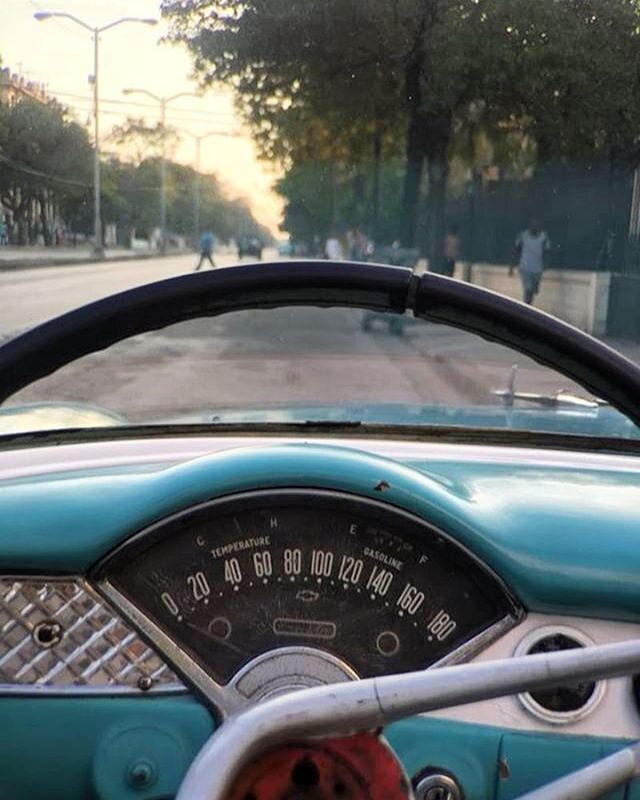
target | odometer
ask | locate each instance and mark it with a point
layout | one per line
(377, 588)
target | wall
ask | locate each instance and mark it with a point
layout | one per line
(579, 297)
(624, 307)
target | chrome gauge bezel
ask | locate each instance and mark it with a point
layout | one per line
(226, 699)
(530, 704)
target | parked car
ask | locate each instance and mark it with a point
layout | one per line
(249, 246)
(285, 248)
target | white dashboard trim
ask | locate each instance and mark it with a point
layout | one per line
(616, 715)
(159, 453)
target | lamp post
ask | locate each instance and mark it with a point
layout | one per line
(163, 101)
(95, 32)
(196, 183)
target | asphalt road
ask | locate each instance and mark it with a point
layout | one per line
(31, 296)
(255, 359)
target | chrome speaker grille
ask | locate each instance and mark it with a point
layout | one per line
(58, 633)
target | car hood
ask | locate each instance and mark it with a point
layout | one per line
(602, 421)
(56, 416)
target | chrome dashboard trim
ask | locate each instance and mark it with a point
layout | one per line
(24, 690)
(528, 701)
(168, 648)
(480, 642)
(65, 659)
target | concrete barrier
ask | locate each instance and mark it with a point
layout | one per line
(580, 297)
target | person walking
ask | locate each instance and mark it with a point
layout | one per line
(531, 249)
(333, 249)
(450, 251)
(607, 251)
(207, 243)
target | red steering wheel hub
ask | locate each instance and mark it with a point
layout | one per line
(359, 767)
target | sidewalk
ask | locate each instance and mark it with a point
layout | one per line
(12, 258)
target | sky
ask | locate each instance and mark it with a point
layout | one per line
(59, 54)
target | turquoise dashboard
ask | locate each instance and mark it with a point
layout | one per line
(102, 696)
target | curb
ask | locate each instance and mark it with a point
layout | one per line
(15, 265)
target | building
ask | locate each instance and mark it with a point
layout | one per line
(14, 87)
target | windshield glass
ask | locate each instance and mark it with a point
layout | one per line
(491, 141)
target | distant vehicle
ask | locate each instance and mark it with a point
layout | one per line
(395, 256)
(285, 248)
(249, 246)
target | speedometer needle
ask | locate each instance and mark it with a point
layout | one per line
(217, 639)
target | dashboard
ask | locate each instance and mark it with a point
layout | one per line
(158, 586)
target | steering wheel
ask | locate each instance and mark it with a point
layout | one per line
(258, 745)
(547, 340)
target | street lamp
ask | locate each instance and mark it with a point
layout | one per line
(95, 32)
(196, 183)
(164, 101)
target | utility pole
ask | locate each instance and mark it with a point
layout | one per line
(197, 183)
(164, 102)
(41, 16)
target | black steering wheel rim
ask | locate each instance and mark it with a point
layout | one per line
(547, 340)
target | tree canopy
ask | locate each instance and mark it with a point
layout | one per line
(46, 176)
(44, 157)
(344, 87)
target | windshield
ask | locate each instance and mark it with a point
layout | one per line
(491, 141)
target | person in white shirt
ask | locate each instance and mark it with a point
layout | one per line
(532, 246)
(333, 249)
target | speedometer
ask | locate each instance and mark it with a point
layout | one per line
(373, 586)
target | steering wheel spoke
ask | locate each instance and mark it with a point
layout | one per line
(343, 708)
(594, 780)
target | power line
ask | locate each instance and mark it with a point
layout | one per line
(112, 113)
(18, 167)
(134, 104)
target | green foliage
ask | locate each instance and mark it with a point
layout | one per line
(46, 162)
(45, 157)
(512, 79)
(131, 199)
(139, 140)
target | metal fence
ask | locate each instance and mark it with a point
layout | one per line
(586, 211)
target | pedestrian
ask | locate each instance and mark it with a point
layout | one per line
(607, 251)
(333, 248)
(358, 245)
(450, 251)
(207, 243)
(532, 247)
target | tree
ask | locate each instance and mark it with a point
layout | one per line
(296, 106)
(561, 72)
(138, 140)
(45, 161)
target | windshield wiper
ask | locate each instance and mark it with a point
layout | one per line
(560, 399)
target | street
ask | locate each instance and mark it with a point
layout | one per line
(267, 359)
(31, 296)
